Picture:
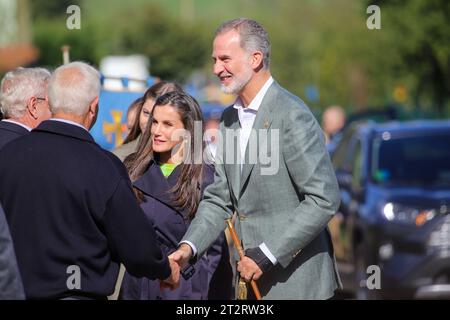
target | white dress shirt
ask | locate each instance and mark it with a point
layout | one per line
(69, 122)
(247, 117)
(18, 123)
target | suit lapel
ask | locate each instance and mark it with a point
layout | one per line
(231, 123)
(260, 127)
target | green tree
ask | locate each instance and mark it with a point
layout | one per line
(175, 48)
(420, 30)
(51, 9)
(51, 34)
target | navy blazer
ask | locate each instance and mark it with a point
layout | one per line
(171, 225)
(10, 131)
(69, 205)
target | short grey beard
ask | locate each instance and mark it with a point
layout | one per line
(230, 90)
(237, 86)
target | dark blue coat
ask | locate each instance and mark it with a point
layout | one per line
(171, 225)
(69, 203)
(10, 131)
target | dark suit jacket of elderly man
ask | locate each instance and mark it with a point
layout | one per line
(10, 131)
(10, 282)
(287, 211)
(73, 216)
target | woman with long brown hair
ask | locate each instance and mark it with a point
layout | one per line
(169, 181)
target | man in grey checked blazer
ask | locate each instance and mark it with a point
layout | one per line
(282, 207)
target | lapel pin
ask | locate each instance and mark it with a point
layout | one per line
(266, 124)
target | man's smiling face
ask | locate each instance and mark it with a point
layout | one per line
(232, 63)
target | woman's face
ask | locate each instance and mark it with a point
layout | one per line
(145, 113)
(166, 120)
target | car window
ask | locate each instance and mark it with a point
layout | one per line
(417, 160)
(340, 155)
(357, 165)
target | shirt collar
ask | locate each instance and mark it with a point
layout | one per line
(257, 100)
(18, 123)
(69, 122)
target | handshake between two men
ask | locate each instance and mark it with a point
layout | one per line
(179, 263)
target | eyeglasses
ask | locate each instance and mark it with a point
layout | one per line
(41, 99)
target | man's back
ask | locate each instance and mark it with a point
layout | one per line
(10, 131)
(66, 199)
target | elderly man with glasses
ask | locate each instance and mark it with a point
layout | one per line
(23, 102)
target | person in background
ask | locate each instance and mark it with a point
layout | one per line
(130, 142)
(144, 106)
(23, 102)
(132, 112)
(333, 120)
(11, 287)
(169, 182)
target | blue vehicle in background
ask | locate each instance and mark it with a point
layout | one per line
(394, 180)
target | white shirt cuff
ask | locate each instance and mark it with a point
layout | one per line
(194, 249)
(268, 254)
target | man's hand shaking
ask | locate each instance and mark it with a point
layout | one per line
(173, 281)
(182, 255)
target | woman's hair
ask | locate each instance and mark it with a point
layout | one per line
(158, 89)
(187, 191)
(136, 105)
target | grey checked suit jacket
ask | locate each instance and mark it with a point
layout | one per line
(287, 209)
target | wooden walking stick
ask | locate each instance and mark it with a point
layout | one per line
(238, 246)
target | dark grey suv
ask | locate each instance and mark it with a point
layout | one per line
(395, 205)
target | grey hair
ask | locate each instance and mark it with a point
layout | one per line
(18, 86)
(253, 36)
(72, 88)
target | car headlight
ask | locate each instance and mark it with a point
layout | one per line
(403, 214)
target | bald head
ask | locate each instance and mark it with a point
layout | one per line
(72, 89)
